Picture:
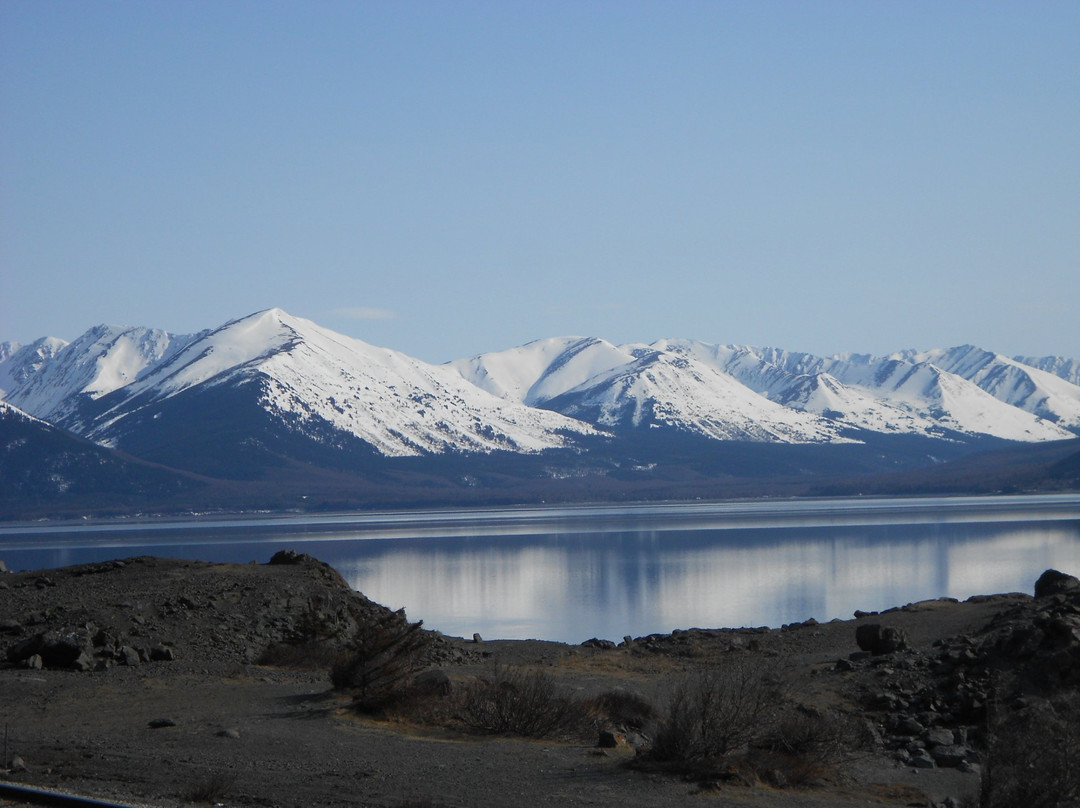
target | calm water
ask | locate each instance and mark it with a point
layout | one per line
(607, 571)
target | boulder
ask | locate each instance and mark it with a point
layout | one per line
(607, 739)
(947, 757)
(1052, 583)
(56, 649)
(879, 639)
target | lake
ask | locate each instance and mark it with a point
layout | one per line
(571, 573)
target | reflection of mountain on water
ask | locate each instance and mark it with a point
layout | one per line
(574, 586)
(607, 571)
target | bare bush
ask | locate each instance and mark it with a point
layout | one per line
(716, 712)
(314, 643)
(378, 667)
(623, 708)
(525, 703)
(1033, 756)
(806, 745)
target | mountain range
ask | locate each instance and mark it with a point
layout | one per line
(267, 406)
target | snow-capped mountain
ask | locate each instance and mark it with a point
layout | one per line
(1060, 366)
(320, 382)
(744, 393)
(794, 380)
(1027, 388)
(9, 411)
(634, 386)
(51, 378)
(269, 379)
(20, 363)
(901, 393)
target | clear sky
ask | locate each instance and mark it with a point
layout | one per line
(448, 178)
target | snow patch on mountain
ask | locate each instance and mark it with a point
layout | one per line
(11, 411)
(1031, 389)
(20, 363)
(901, 393)
(637, 385)
(1061, 366)
(103, 359)
(398, 404)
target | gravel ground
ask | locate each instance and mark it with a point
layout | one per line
(211, 725)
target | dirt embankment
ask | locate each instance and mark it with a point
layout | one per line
(141, 680)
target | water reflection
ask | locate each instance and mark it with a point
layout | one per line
(574, 587)
(569, 574)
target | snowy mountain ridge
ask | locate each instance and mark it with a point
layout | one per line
(551, 393)
(307, 374)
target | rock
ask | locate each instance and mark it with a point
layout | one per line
(84, 662)
(476, 638)
(290, 557)
(906, 725)
(17, 764)
(879, 639)
(56, 649)
(938, 737)
(3, 566)
(129, 656)
(596, 642)
(161, 723)
(231, 733)
(1052, 583)
(34, 662)
(920, 759)
(162, 653)
(607, 739)
(24, 649)
(947, 757)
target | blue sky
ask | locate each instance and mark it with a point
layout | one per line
(447, 178)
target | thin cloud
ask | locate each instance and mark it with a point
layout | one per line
(365, 313)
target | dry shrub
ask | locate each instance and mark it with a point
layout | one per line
(716, 712)
(623, 709)
(1033, 756)
(378, 667)
(524, 703)
(315, 642)
(806, 746)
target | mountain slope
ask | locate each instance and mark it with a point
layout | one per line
(1031, 389)
(638, 386)
(57, 378)
(883, 394)
(327, 387)
(795, 381)
(47, 471)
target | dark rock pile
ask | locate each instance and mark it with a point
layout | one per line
(146, 610)
(933, 708)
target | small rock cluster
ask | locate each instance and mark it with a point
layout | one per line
(83, 649)
(932, 708)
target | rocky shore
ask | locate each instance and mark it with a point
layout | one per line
(163, 682)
